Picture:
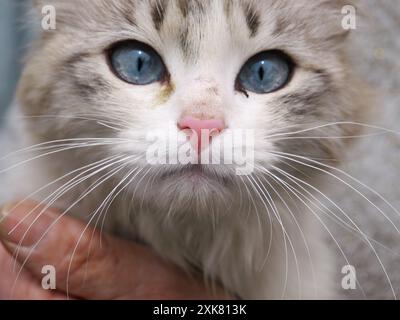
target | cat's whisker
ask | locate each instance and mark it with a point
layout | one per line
(241, 196)
(92, 188)
(136, 188)
(300, 230)
(109, 126)
(343, 137)
(88, 167)
(301, 172)
(105, 210)
(298, 195)
(292, 178)
(145, 188)
(295, 158)
(271, 229)
(255, 206)
(276, 210)
(137, 172)
(350, 177)
(340, 221)
(62, 142)
(91, 238)
(258, 189)
(86, 117)
(97, 212)
(40, 156)
(70, 184)
(270, 221)
(57, 194)
(335, 218)
(331, 124)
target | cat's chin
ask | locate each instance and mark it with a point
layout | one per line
(180, 189)
(198, 175)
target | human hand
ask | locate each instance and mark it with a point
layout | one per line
(88, 265)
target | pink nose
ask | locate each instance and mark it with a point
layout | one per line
(202, 128)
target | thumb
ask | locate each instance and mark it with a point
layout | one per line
(88, 264)
(40, 237)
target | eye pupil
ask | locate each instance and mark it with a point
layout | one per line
(266, 72)
(137, 63)
(261, 73)
(140, 64)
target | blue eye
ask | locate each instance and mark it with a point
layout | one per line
(137, 63)
(264, 73)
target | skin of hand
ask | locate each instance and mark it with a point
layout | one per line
(100, 267)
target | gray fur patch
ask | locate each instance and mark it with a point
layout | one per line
(158, 11)
(252, 19)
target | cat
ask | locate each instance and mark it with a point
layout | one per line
(277, 67)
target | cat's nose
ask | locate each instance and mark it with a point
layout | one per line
(203, 129)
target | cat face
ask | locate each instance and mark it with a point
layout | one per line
(274, 67)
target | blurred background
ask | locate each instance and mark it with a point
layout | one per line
(14, 39)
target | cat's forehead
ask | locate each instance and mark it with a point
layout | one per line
(193, 17)
(196, 14)
(201, 28)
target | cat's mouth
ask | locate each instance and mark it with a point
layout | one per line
(198, 174)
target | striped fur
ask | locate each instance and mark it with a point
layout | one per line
(204, 44)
